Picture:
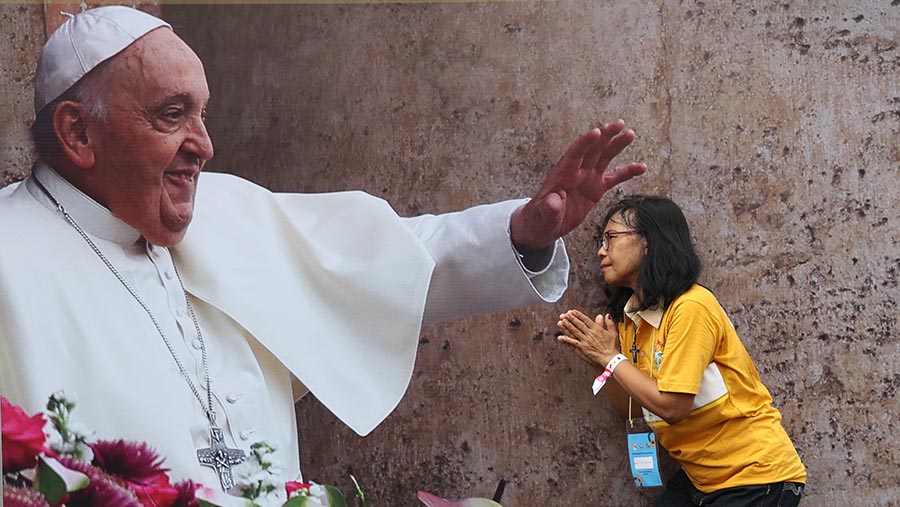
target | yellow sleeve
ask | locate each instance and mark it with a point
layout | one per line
(690, 335)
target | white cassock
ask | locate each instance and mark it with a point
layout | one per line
(293, 293)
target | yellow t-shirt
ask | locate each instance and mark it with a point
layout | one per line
(733, 435)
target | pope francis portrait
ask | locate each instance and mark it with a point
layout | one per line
(191, 310)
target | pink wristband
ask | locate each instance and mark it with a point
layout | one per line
(601, 379)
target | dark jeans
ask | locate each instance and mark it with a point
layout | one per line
(681, 493)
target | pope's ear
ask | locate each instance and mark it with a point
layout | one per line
(70, 123)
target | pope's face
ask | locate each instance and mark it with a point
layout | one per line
(153, 143)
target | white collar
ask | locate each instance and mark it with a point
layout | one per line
(652, 316)
(87, 213)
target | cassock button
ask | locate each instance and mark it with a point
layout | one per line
(181, 312)
(168, 274)
(196, 344)
(246, 434)
(234, 397)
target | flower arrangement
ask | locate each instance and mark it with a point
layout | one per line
(50, 461)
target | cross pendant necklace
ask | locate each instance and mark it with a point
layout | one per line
(217, 456)
(634, 349)
(220, 458)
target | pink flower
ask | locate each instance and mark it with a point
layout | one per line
(301, 488)
(140, 467)
(22, 497)
(104, 489)
(132, 461)
(23, 437)
(435, 501)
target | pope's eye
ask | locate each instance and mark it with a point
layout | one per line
(172, 114)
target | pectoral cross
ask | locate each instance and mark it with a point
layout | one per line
(634, 348)
(220, 458)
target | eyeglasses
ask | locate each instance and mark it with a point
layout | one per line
(607, 236)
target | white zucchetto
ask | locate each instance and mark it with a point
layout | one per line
(83, 42)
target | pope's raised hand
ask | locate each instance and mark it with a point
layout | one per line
(574, 187)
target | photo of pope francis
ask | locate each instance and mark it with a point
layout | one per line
(181, 306)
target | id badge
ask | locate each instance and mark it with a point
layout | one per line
(643, 455)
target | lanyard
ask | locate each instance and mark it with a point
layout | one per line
(642, 451)
(634, 361)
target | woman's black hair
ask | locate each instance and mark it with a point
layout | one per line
(670, 267)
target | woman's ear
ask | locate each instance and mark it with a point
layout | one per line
(70, 124)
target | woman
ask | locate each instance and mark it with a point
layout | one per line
(684, 366)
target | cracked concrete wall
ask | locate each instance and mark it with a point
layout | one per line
(773, 124)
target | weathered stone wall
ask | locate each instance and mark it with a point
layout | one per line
(774, 125)
(19, 48)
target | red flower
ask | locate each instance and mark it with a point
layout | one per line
(23, 437)
(187, 494)
(158, 494)
(292, 486)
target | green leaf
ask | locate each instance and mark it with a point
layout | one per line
(335, 497)
(55, 481)
(299, 501)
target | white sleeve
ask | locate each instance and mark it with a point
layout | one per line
(477, 269)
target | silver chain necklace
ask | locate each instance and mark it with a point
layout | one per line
(218, 456)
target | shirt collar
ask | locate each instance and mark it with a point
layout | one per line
(652, 316)
(87, 213)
